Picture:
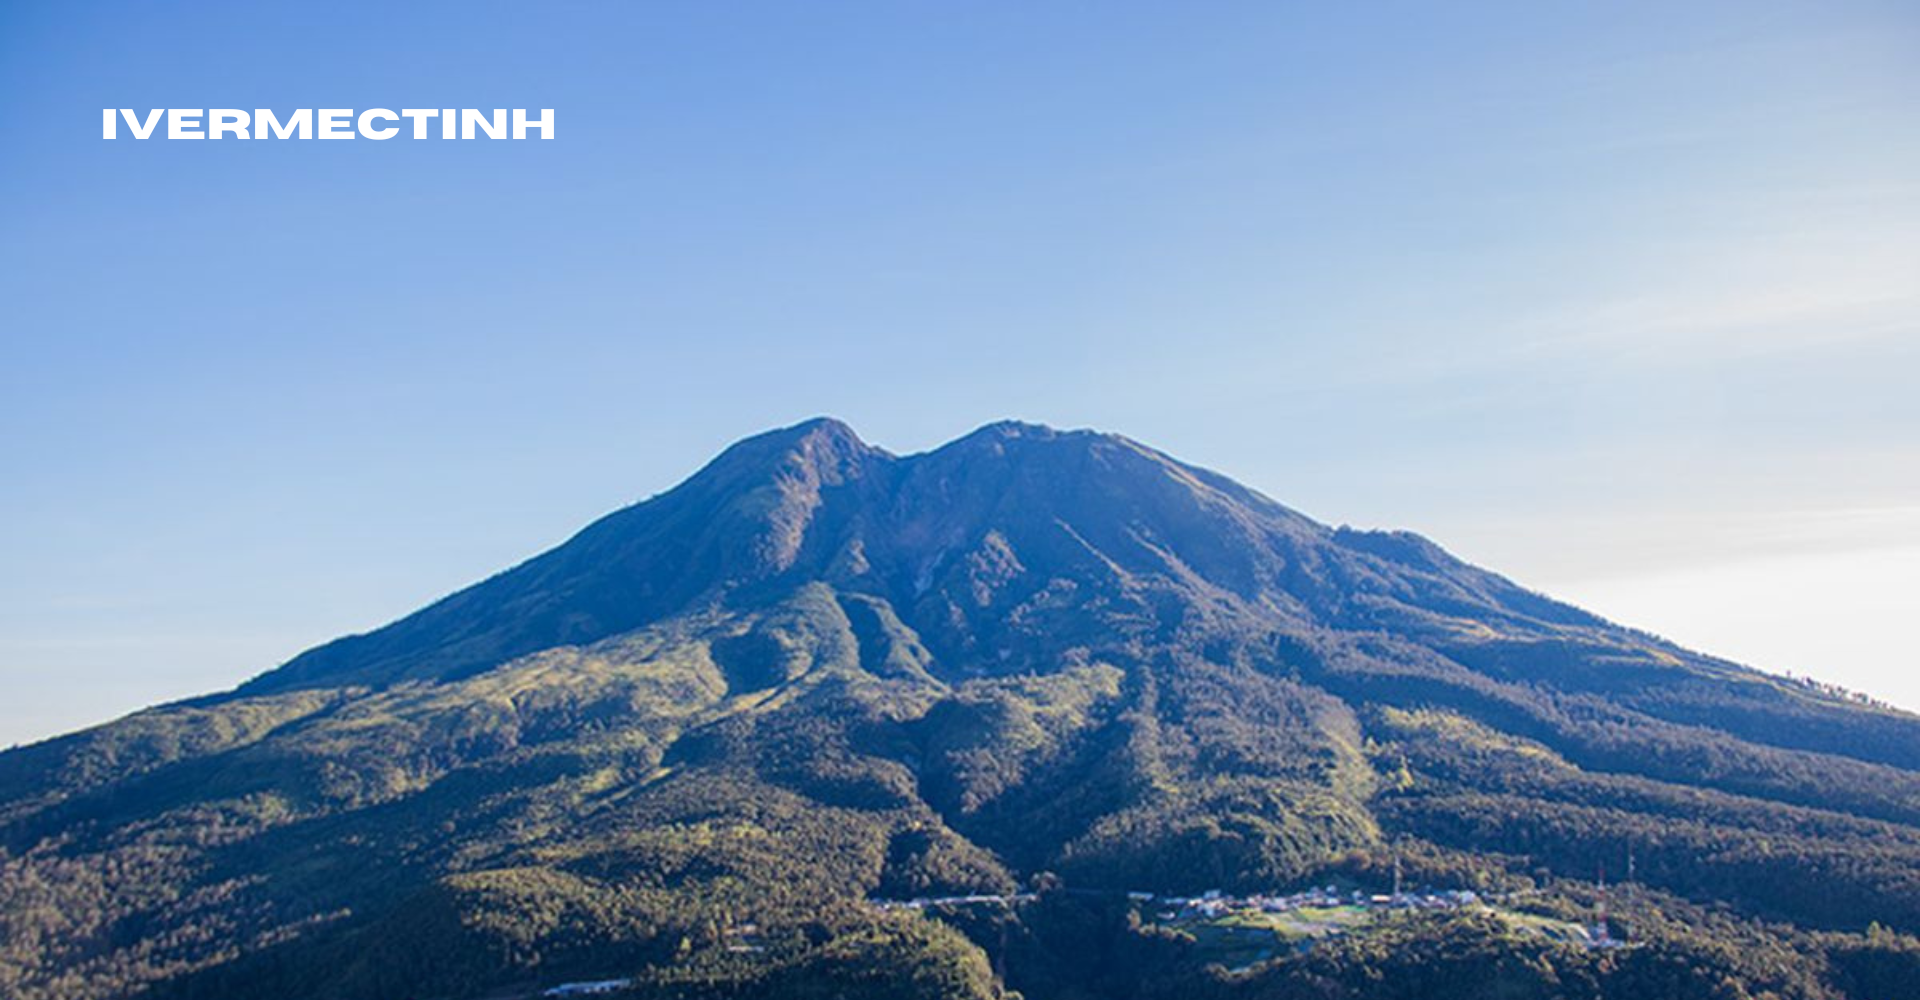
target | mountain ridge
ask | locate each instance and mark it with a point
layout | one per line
(816, 672)
(799, 462)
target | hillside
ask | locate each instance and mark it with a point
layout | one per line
(693, 743)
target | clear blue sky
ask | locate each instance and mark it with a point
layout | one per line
(1619, 299)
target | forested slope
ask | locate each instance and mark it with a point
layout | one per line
(693, 743)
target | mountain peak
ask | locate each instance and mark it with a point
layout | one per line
(819, 434)
(1013, 429)
(1022, 430)
(822, 428)
(822, 449)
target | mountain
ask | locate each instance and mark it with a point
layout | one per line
(692, 745)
